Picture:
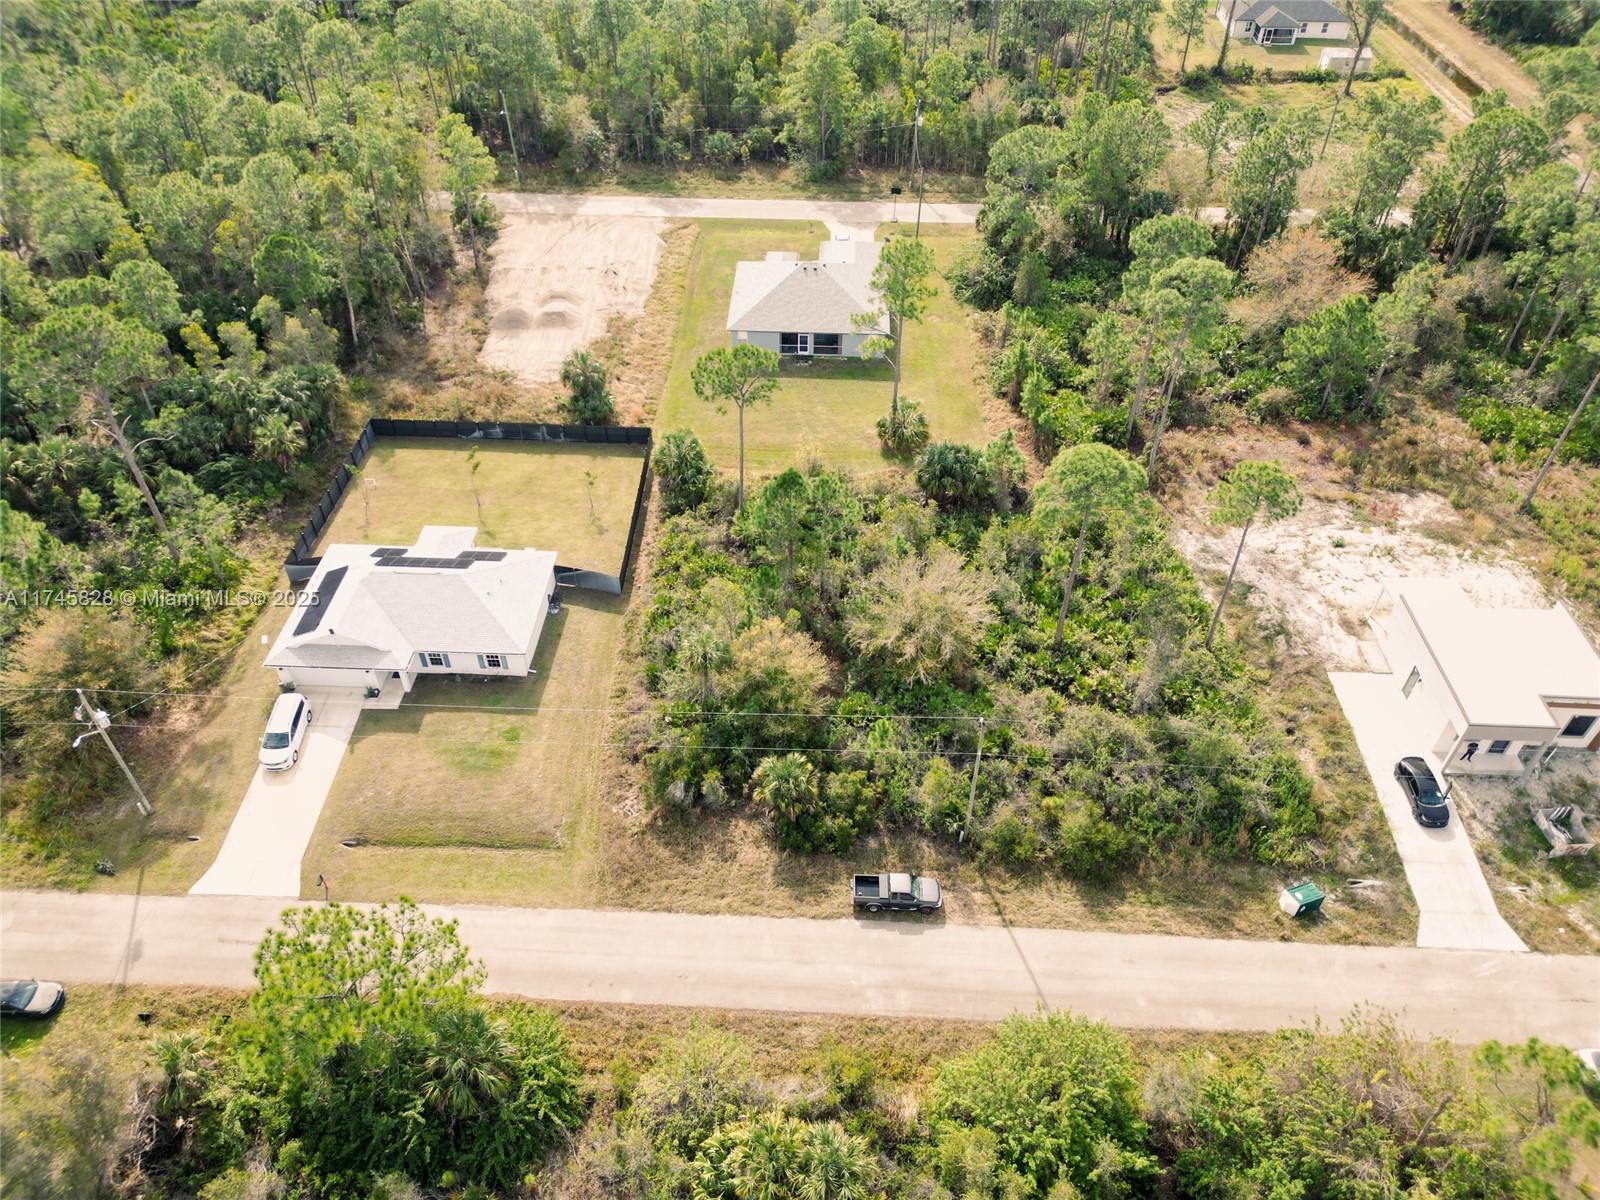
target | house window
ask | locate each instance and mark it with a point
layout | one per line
(1324, 27)
(794, 343)
(1302, 26)
(433, 658)
(825, 343)
(1577, 727)
(1249, 26)
(491, 662)
(1499, 746)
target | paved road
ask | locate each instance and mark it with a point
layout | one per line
(1456, 909)
(268, 838)
(879, 966)
(843, 217)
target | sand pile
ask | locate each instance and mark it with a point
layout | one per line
(557, 281)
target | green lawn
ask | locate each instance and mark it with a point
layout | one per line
(428, 785)
(480, 789)
(821, 411)
(522, 494)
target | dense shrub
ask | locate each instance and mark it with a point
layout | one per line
(683, 471)
(1061, 1097)
(588, 392)
(905, 431)
(954, 475)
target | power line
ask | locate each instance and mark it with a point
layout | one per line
(1159, 766)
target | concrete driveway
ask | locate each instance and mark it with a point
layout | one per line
(1457, 909)
(262, 852)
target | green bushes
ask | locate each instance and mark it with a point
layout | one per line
(366, 1051)
(904, 431)
(588, 392)
(683, 471)
(827, 659)
(1039, 1108)
(1060, 1097)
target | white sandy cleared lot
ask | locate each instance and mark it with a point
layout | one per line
(1321, 571)
(556, 282)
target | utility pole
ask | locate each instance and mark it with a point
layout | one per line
(98, 721)
(516, 167)
(916, 164)
(972, 792)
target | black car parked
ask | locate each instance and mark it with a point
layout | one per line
(1428, 804)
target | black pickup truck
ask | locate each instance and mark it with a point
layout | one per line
(896, 892)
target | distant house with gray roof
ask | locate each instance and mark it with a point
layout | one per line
(806, 309)
(376, 617)
(1284, 22)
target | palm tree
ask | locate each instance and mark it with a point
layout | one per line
(182, 1062)
(275, 439)
(702, 651)
(834, 1165)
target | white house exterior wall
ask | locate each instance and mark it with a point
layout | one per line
(1338, 31)
(1406, 649)
(767, 341)
(334, 677)
(465, 662)
(849, 343)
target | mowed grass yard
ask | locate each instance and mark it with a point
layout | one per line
(484, 787)
(422, 783)
(822, 410)
(479, 789)
(575, 500)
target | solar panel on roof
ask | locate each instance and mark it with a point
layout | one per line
(432, 563)
(388, 551)
(482, 555)
(320, 599)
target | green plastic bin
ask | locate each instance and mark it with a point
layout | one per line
(1301, 900)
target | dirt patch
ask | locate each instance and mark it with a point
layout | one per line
(558, 281)
(1321, 571)
(1553, 904)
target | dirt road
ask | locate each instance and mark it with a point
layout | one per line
(872, 966)
(1477, 58)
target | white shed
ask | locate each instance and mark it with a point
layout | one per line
(1504, 687)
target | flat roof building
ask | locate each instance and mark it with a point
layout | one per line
(1507, 686)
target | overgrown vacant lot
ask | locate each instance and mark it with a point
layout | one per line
(821, 409)
(574, 499)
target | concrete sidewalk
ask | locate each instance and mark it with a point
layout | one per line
(268, 838)
(876, 966)
(1456, 909)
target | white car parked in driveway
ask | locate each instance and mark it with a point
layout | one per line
(286, 729)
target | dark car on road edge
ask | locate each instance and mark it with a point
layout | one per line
(1428, 804)
(897, 892)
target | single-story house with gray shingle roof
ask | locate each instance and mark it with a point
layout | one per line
(808, 308)
(1284, 22)
(376, 617)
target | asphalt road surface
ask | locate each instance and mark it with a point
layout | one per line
(881, 966)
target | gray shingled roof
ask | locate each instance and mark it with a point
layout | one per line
(806, 297)
(1306, 11)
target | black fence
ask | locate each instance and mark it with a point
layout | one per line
(301, 561)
